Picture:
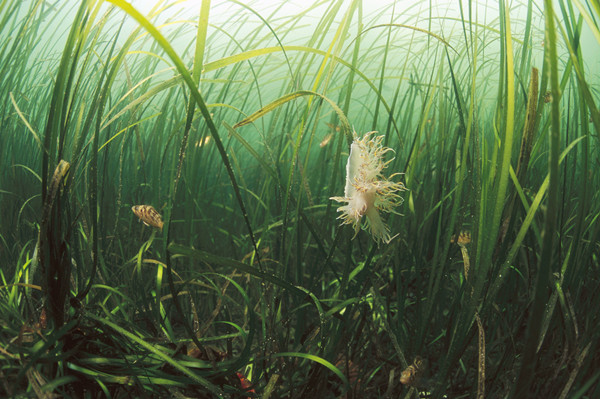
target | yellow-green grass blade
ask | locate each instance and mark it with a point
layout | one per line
(321, 361)
(289, 97)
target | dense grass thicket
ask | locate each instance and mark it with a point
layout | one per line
(235, 123)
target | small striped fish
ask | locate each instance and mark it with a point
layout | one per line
(148, 215)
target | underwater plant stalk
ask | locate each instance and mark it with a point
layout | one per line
(528, 363)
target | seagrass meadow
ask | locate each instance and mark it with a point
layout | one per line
(340, 199)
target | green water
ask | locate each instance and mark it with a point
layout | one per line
(468, 263)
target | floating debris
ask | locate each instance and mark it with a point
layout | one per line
(464, 238)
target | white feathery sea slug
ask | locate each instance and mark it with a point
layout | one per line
(367, 191)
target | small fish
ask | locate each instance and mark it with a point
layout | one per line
(412, 374)
(148, 215)
(245, 383)
(326, 140)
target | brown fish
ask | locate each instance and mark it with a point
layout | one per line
(411, 375)
(148, 215)
(326, 140)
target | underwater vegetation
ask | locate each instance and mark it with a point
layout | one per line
(191, 205)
